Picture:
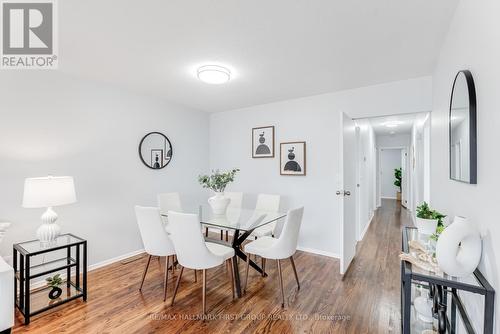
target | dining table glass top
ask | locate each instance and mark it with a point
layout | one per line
(235, 218)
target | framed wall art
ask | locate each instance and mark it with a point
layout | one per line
(263, 142)
(293, 158)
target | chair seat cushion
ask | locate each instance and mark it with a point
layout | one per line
(266, 230)
(261, 247)
(220, 250)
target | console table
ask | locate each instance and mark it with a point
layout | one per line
(26, 256)
(449, 309)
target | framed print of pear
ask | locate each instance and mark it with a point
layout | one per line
(293, 158)
(263, 142)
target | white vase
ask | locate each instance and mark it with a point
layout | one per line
(219, 203)
(426, 226)
(459, 248)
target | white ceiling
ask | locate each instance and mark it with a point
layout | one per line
(278, 49)
(404, 124)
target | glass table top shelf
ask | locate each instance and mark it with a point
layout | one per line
(474, 280)
(235, 218)
(35, 246)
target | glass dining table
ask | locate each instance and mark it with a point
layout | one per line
(242, 222)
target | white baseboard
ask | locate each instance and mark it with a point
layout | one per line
(366, 227)
(115, 259)
(318, 252)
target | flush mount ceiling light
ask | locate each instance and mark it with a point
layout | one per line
(392, 124)
(214, 74)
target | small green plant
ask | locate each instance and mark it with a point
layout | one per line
(397, 175)
(439, 230)
(218, 181)
(425, 212)
(54, 281)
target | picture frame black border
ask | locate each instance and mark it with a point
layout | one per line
(304, 168)
(161, 157)
(472, 127)
(140, 145)
(253, 141)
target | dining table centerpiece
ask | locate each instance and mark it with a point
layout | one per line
(218, 181)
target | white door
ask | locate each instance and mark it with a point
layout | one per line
(347, 192)
(404, 177)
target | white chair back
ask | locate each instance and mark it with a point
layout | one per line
(287, 242)
(236, 199)
(269, 203)
(154, 237)
(169, 201)
(190, 247)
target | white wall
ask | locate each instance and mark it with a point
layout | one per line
(419, 162)
(366, 176)
(55, 124)
(397, 140)
(316, 120)
(390, 159)
(471, 43)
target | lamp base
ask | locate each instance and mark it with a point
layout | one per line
(49, 230)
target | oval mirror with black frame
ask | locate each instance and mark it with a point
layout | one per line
(462, 129)
(155, 150)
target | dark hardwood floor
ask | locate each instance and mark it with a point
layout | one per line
(365, 300)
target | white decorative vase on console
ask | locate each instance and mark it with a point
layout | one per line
(459, 248)
(219, 203)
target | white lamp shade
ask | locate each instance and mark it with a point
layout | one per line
(41, 192)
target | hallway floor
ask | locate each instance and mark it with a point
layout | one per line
(366, 300)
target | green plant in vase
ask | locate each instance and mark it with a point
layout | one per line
(397, 182)
(429, 221)
(218, 181)
(54, 282)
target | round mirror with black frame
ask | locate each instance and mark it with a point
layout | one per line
(462, 129)
(155, 150)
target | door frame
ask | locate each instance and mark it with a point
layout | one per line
(379, 179)
(341, 187)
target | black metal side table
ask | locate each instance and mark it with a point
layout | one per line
(65, 253)
(446, 292)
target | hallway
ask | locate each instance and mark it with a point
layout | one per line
(372, 283)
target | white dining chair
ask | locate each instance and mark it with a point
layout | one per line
(155, 239)
(193, 252)
(266, 203)
(236, 202)
(278, 249)
(169, 201)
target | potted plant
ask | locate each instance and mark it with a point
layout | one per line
(428, 220)
(397, 182)
(218, 182)
(54, 283)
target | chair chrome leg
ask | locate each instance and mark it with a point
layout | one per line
(246, 273)
(295, 272)
(145, 271)
(263, 267)
(166, 278)
(230, 262)
(204, 291)
(281, 284)
(195, 276)
(177, 285)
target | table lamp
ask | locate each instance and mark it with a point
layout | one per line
(47, 192)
